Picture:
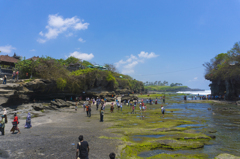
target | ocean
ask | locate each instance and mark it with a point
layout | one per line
(206, 92)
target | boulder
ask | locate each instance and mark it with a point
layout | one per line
(226, 156)
(129, 98)
(110, 99)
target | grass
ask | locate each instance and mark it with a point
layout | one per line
(175, 138)
(166, 88)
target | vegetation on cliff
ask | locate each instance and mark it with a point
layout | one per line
(167, 88)
(224, 66)
(82, 79)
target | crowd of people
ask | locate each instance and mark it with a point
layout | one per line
(15, 122)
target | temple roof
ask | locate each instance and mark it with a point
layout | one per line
(6, 58)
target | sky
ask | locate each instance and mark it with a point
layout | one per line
(152, 40)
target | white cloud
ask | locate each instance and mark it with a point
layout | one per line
(81, 40)
(128, 65)
(195, 78)
(147, 55)
(32, 50)
(41, 40)
(57, 25)
(7, 49)
(69, 34)
(83, 56)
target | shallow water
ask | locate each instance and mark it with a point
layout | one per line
(226, 123)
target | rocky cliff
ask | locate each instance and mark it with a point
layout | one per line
(40, 89)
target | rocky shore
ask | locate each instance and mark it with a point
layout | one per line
(55, 133)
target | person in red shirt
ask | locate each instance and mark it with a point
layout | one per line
(15, 123)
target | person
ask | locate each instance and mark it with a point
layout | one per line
(195, 97)
(27, 75)
(28, 121)
(5, 79)
(118, 105)
(163, 99)
(2, 125)
(156, 101)
(84, 106)
(147, 100)
(76, 107)
(133, 109)
(5, 114)
(82, 149)
(15, 123)
(17, 73)
(140, 106)
(101, 113)
(87, 109)
(121, 106)
(14, 75)
(112, 155)
(163, 110)
(150, 100)
(111, 108)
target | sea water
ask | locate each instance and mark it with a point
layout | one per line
(206, 92)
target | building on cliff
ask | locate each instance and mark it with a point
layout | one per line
(7, 65)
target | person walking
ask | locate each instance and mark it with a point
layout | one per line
(17, 73)
(163, 110)
(82, 149)
(101, 113)
(14, 75)
(15, 124)
(5, 114)
(28, 121)
(2, 125)
(111, 108)
(133, 109)
(5, 79)
(121, 106)
(89, 110)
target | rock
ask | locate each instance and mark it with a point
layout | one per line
(129, 98)
(212, 131)
(212, 136)
(110, 99)
(226, 156)
(61, 103)
(38, 107)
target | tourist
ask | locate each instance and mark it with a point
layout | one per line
(150, 100)
(101, 113)
(128, 102)
(14, 75)
(112, 155)
(17, 73)
(15, 124)
(163, 110)
(89, 110)
(140, 106)
(118, 105)
(82, 149)
(163, 99)
(156, 101)
(111, 108)
(5, 79)
(76, 106)
(147, 100)
(84, 106)
(5, 114)
(133, 109)
(121, 106)
(28, 121)
(2, 125)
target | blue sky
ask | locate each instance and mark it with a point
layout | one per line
(149, 40)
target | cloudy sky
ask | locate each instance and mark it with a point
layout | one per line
(149, 40)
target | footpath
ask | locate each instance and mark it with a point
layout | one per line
(55, 135)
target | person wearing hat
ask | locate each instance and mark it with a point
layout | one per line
(2, 125)
(163, 110)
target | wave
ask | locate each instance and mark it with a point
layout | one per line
(206, 92)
